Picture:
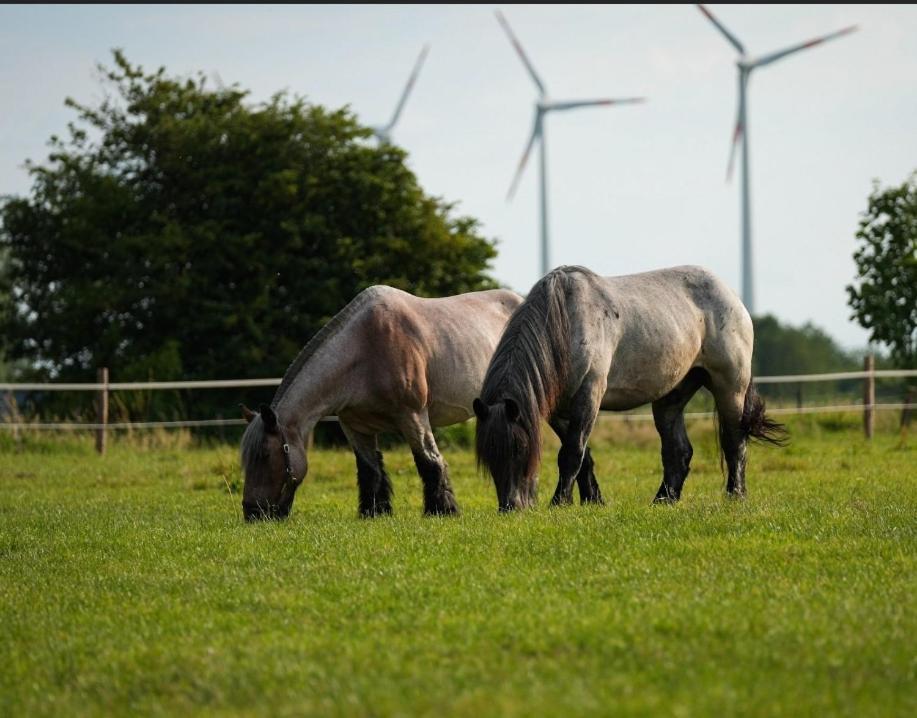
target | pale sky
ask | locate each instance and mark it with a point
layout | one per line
(630, 188)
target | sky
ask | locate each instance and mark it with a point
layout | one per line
(630, 188)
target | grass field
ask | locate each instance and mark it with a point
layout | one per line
(129, 584)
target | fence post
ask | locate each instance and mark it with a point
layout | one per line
(869, 395)
(102, 409)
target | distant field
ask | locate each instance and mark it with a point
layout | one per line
(129, 584)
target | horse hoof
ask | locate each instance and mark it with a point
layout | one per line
(669, 500)
(376, 511)
(444, 506)
(442, 511)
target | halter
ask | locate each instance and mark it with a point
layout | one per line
(289, 482)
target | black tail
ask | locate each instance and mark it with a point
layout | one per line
(756, 424)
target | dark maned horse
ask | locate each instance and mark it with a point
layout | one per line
(388, 361)
(580, 343)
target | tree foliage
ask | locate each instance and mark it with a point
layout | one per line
(883, 296)
(182, 231)
(781, 349)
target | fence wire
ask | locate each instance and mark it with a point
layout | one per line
(243, 383)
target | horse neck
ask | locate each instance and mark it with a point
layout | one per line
(315, 392)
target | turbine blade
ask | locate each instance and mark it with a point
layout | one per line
(774, 56)
(739, 128)
(722, 28)
(536, 133)
(521, 52)
(407, 88)
(573, 104)
(737, 133)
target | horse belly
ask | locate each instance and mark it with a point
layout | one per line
(640, 377)
(443, 414)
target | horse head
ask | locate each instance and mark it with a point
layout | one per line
(504, 445)
(275, 465)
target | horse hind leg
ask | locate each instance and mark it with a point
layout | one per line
(730, 402)
(669, 417)
(375, 487)
(438, 498)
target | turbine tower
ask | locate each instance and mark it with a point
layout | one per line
(543, 105)
(384, 133)
(745, 64)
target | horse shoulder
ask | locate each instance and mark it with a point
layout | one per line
(394, 337)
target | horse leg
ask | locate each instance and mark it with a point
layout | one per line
(438, 498)
(730, 401)
(669, 417)
(374, 484)
(570, 459)
(589, 491)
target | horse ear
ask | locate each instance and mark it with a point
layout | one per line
(481, 410)
(247, 413)
(268, 417)
(512, 409)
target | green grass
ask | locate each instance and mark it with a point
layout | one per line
(129, 584)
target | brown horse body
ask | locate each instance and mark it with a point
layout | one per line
(387, 362)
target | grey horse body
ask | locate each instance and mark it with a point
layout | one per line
(388, 362)
(648, 330)
(581, 343)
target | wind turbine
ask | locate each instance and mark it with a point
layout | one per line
(384, 133)
(543, 105)
(745, 65)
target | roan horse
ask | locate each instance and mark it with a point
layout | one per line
(388, 361)
(580, 343)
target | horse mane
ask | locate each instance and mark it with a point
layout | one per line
(253, 438)
(530, 366)
(321, 336)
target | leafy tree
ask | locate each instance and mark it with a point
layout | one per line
(883, 296)
(180, 231)
(782, 349)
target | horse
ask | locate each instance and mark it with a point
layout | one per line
(387, 362)
(581, 342)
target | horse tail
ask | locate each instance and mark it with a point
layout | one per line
(755, 423)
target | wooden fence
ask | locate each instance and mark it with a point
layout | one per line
(103, 387)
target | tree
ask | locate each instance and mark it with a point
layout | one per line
(883, 296)
(784, 349)
(180, 231)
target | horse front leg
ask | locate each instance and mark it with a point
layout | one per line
(574, 457)
(589, 491)
(438, 498)
(373, 482)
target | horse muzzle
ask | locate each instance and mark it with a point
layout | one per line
(264, 511)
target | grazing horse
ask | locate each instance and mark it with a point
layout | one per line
(388, 361)
(580, 343)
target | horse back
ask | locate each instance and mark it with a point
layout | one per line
(431, 354)
(661, 324)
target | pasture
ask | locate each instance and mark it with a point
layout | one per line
(130, 584)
